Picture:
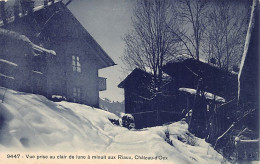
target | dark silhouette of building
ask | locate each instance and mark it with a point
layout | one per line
(248, 93)
(73, 72)
(247, 142)
(211, 85)
(217, 86)
(186, 73)
(148, 108)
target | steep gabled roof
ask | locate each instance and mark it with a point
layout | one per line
(194, 66)
(186, 74)
(11, 36)
(45, 15)
(136, 75)
(248, 78)
(101, 54)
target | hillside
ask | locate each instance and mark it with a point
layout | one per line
(32, 123)
(112, 106)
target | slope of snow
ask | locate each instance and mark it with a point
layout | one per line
(31, 122)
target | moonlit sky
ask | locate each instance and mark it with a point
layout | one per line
(107, 21)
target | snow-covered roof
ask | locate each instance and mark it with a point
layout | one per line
(182, 57)
(208, 95)
(104, 59)
(136, 74)
(248, 38)
(23, 39)
(14, 35)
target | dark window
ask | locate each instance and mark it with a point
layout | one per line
(76, 67)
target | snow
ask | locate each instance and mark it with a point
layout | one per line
(127, 115)
(56, 96)
(14, 35)
(9, 77)
(23, 39)
(248, 37)
(37, 72)
(41, 49)
(181, 58)
(208, 95)
(35, 124)
(8, 62)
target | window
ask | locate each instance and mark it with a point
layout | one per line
(76, 94)
(76, 67)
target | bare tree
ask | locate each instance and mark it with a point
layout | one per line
(226, 30)
(191, 15)
(150, 44)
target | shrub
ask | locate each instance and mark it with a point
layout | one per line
(57, 98)
(167, 137)
(188, 138)
(128, 121)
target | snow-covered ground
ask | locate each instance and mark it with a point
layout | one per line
(32, 123)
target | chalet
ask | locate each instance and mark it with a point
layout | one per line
(147, 109)
(136, 90)
(216, 85)
(186, 73)
(202, 87)
(248, 79)
(73, 72)
(247, 142)
(22, 62)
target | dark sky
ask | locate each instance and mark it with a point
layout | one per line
(107, 21)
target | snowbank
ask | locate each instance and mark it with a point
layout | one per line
(31, 122)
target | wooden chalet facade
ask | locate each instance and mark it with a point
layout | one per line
(147, 109)
(137, 94)
(73, 72)
(187, 71)
(248, 93)
(212, 87)
(247, 142)
(219, 86)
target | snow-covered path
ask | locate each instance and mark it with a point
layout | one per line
(32, 123)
